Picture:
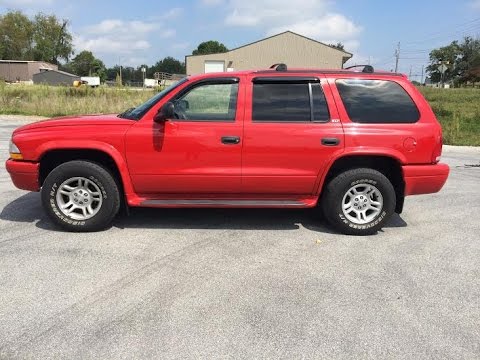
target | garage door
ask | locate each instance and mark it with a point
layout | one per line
(214, 66)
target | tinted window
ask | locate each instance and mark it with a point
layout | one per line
(320, 107)
(281, 102)
(377, 101)
(208, 102)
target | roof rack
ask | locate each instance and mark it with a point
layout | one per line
(366, 68)
(279, 67)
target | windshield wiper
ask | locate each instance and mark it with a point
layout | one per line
(125, 113)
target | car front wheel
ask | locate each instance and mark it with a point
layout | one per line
(81, 196)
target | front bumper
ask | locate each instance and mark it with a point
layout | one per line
(24, 174)
(424, 179)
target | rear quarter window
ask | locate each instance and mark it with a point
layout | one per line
(377, 101)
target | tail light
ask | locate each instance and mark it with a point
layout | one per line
(437, 151)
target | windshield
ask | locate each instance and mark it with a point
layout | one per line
(138, 112)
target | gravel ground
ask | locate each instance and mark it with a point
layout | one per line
(242, 283)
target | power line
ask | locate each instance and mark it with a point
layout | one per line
(448, 33)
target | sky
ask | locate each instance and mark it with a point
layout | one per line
(143, 32)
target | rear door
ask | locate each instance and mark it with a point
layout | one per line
(291, 131)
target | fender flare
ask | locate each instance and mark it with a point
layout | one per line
(379, 152)
(106, 148)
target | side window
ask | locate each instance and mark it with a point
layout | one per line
(288, 101)
(281, 102)
(214, 101)
(377, 101)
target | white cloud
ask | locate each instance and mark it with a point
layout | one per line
(272, 12)
(106, 45)
(125, 27)
(329, 27)
(311, 18)
(119, 37)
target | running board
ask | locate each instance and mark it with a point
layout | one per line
(232, 203)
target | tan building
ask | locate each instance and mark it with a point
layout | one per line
(19, 70)
(288, 47)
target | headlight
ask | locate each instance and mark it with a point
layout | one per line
(14, 152)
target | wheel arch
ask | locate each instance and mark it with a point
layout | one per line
(106, 156)
(389, 166)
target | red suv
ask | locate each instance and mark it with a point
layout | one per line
(353, 142)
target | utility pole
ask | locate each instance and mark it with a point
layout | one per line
(397, 56)
(120, 66)
(421, 79)
(410, 74)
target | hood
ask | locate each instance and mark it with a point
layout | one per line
(83, 120)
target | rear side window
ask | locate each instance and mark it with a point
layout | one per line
(377, 101)
(287, 101)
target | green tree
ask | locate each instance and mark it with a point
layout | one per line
(338, 46)
(468, 63)
(112, 72)
(16, 36)
(461, 58)
(446, 55)
(169, 65)
(210, 47)
(86, 64)
(52, 39)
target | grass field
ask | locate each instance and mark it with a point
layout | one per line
(458, 110)
(53, 101)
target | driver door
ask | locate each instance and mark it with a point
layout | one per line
(197, 153)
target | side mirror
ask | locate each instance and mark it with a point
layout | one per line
(167, 111)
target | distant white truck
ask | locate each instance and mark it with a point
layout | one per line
(92, 81)
(150, 83)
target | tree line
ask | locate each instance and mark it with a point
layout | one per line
(47, 38)
(86, 64)
(462, 60)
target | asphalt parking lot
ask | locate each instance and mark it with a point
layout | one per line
(242, 283)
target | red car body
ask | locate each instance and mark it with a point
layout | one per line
(165, 164)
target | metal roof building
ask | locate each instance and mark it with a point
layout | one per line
(55, 77)
(19, 70)
(288, 47)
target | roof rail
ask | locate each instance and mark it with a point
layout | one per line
(366, 68)
(279, 67)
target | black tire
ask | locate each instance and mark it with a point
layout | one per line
(93, 172)
(336, 190)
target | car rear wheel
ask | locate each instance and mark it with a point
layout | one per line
(81, 196)
(359, 201)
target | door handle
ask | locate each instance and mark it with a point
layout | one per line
(330, 141)
(230, 140)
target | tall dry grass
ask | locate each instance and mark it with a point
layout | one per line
(53, 101)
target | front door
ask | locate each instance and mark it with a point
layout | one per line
(291, 132)
(196, 154)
